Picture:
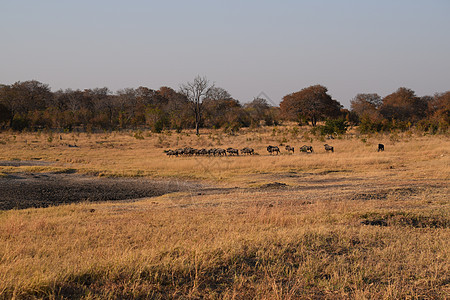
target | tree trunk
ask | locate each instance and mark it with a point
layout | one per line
(197, 118)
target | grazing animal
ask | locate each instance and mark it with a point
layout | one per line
(380, 147)
(289, 149)
(233, 151)
(212, 151)
(329, 148)
(272, 149)
(220, 152)
(306, 148)
(188, 151)
(247, 150)
(170, 153)
(202, 152)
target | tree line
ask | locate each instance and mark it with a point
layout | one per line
(31, 105)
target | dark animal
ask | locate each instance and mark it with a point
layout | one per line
(329, 148)
(190, 151)
(202, 152)
(233, 151)
(247, 150)
(212, 151)
(306, 148)
(179, 151)
(272, 149)
(289, 149)
(170, 152)
(380, 147)
(220, 152)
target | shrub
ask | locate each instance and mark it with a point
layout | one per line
(334, 126)
(138, 135)
(20, 123)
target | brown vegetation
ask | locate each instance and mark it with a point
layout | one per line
(32, 106)
(355, 223)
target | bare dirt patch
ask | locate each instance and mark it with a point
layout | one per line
(25, 190)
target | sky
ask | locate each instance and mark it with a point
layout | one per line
(249, 48)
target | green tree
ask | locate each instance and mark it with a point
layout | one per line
(259, 109)
(334, 126)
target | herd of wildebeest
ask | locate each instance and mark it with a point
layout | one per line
(189, 151)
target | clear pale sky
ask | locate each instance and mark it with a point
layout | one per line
(246, 47)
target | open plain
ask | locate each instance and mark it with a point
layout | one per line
(110, 215)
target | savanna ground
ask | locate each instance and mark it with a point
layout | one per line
(355, 223)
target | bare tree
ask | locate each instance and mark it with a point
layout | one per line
(195, 92)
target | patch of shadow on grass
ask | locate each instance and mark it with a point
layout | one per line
(25, 163)
(370, 196)
(384, 194)
(332, 171)
(273, 185)
(406, 219)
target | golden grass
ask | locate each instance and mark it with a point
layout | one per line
(120, 154)
(302, 241)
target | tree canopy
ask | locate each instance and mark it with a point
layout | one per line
(31, 105)
(313, 103)
(403, 105)
(367, 106)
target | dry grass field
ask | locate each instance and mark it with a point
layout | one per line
(355, 223)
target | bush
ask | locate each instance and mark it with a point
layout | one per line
(368, 126)
(334, 126)
(138, 135)
(20, 123)
(432, 126)
(158, 126)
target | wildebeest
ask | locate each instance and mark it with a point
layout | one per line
(220, 151)
(202, 152)
(170, 152)
(329, 148)
(289, 149)
(232, 151)
(247, 150)
(212, 151)
(272, 149)
(177, 152)
(189, 151)
(306, 148)
(380, 147)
